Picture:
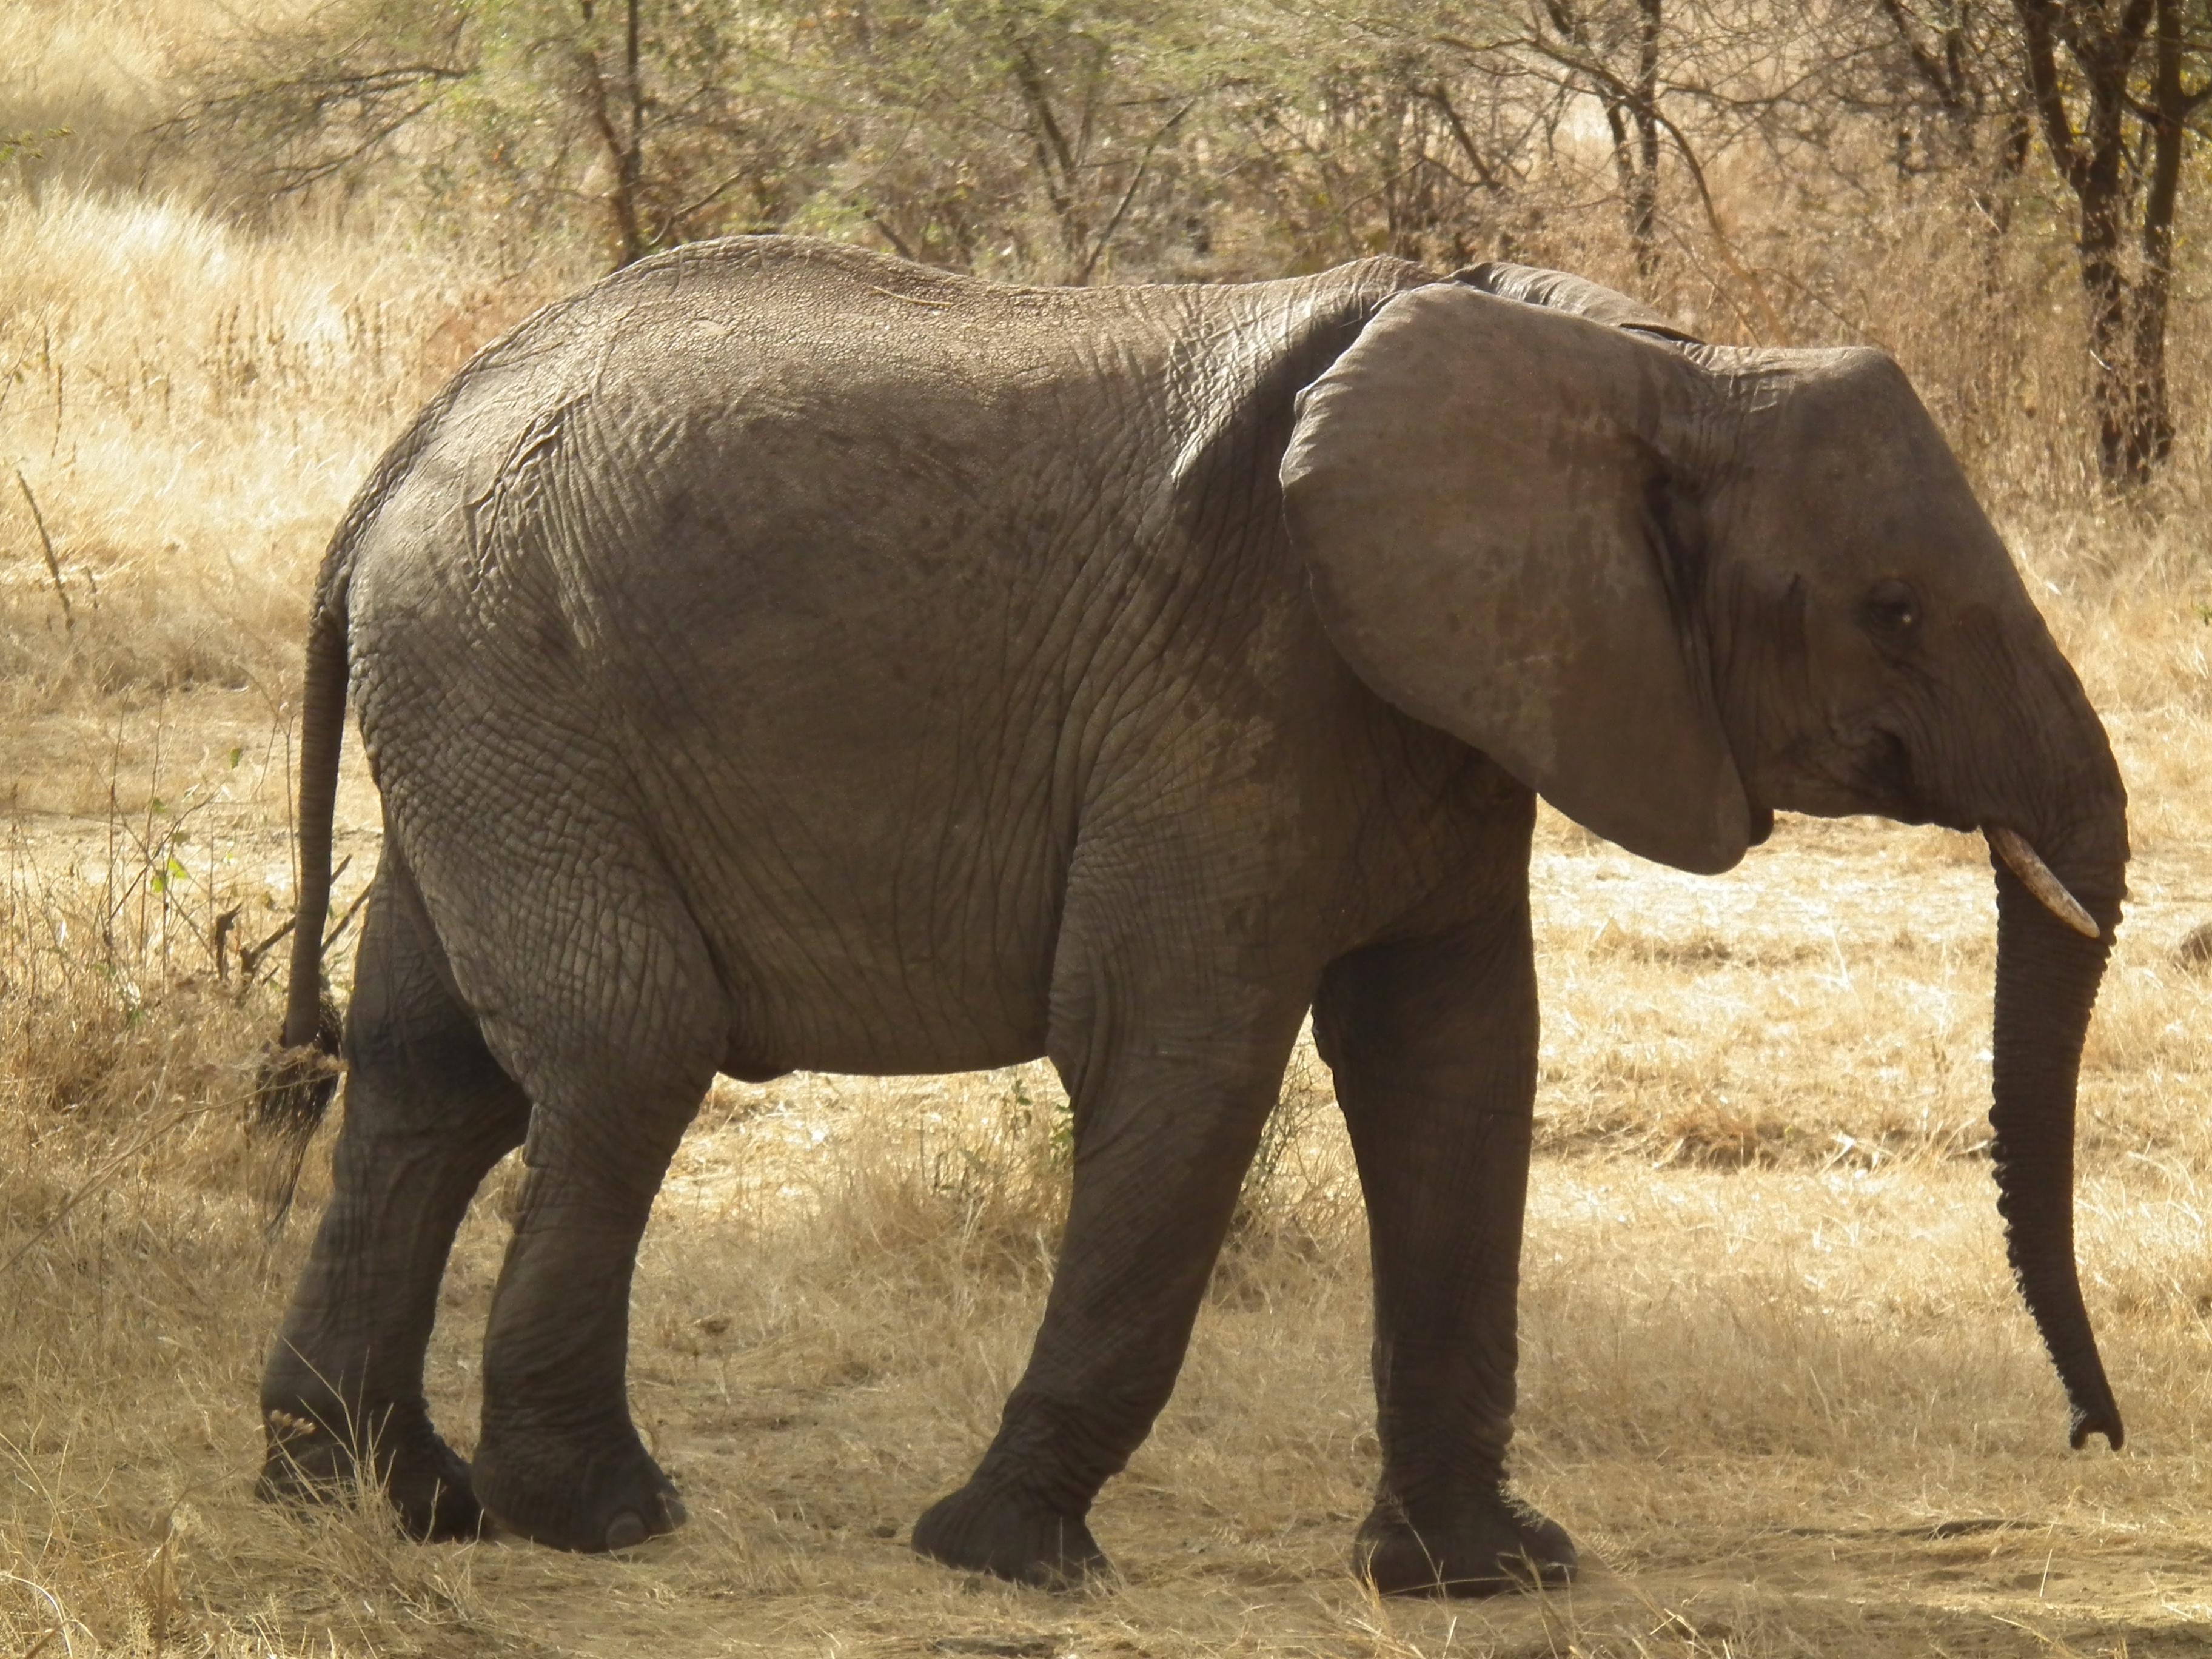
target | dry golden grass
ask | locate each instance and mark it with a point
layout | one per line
(185, 408)
(1776, 1379)
(1788, 1402)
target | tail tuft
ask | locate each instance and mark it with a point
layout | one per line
(292, 1090)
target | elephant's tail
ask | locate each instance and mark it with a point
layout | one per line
(299, 1073)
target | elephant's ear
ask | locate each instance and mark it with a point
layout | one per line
(1489, 496)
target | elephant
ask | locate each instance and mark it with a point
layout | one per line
(780, 656)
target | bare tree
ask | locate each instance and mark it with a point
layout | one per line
(1390, 138)
(1620, 67)
(617, 113)
(293, 108)
(1954, 78)
(2108, 84)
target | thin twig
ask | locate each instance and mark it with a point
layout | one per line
(249, 956)
(69, 1645)
(1776, 333)
(1129, 195)
(46, 541)
(360, 899)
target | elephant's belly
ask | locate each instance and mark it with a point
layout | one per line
(911, 1053)
(871, 816)
(850, 968)
(871, 1027)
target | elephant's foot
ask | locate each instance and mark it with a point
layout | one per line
(575, 1493)
(1001, 1529)
(1490, 1545)
(308, 1460)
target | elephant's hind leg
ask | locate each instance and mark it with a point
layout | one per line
(613, 1019)
(428, 1111)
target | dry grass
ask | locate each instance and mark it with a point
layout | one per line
(1776, 1380)
(185, 408)
(1775, 1377)
(1789, 1406)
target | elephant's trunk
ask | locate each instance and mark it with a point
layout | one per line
(2047, 976)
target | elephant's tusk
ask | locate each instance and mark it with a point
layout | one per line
(2035, 875)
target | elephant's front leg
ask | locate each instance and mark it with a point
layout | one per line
(1433, 1045)
(1169, 1089)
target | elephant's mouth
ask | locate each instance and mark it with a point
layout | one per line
(1867, 770)
(1881, 776)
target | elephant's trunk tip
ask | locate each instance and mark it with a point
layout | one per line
(2050, 892)
(2103, 1419)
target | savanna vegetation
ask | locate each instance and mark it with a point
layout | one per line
(1776, 1380)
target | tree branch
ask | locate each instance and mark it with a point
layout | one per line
(2058, 136)
(1143, 162)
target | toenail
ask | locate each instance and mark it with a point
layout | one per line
(626, 1531)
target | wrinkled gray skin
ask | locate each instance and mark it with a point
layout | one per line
(781, 657)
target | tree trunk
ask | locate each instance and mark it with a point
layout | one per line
(622, 134)
(1631, 103)
(1644, 190)
(2127, 317)
(2149, 429)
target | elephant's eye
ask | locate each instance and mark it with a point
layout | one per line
(1892, 611)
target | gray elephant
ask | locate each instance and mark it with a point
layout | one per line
(782, 657)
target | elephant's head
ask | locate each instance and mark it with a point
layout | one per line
(1673, 587)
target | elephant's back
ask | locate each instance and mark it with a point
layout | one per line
(746, 430)
(749, 320)
(733, 530)
(850, 572)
